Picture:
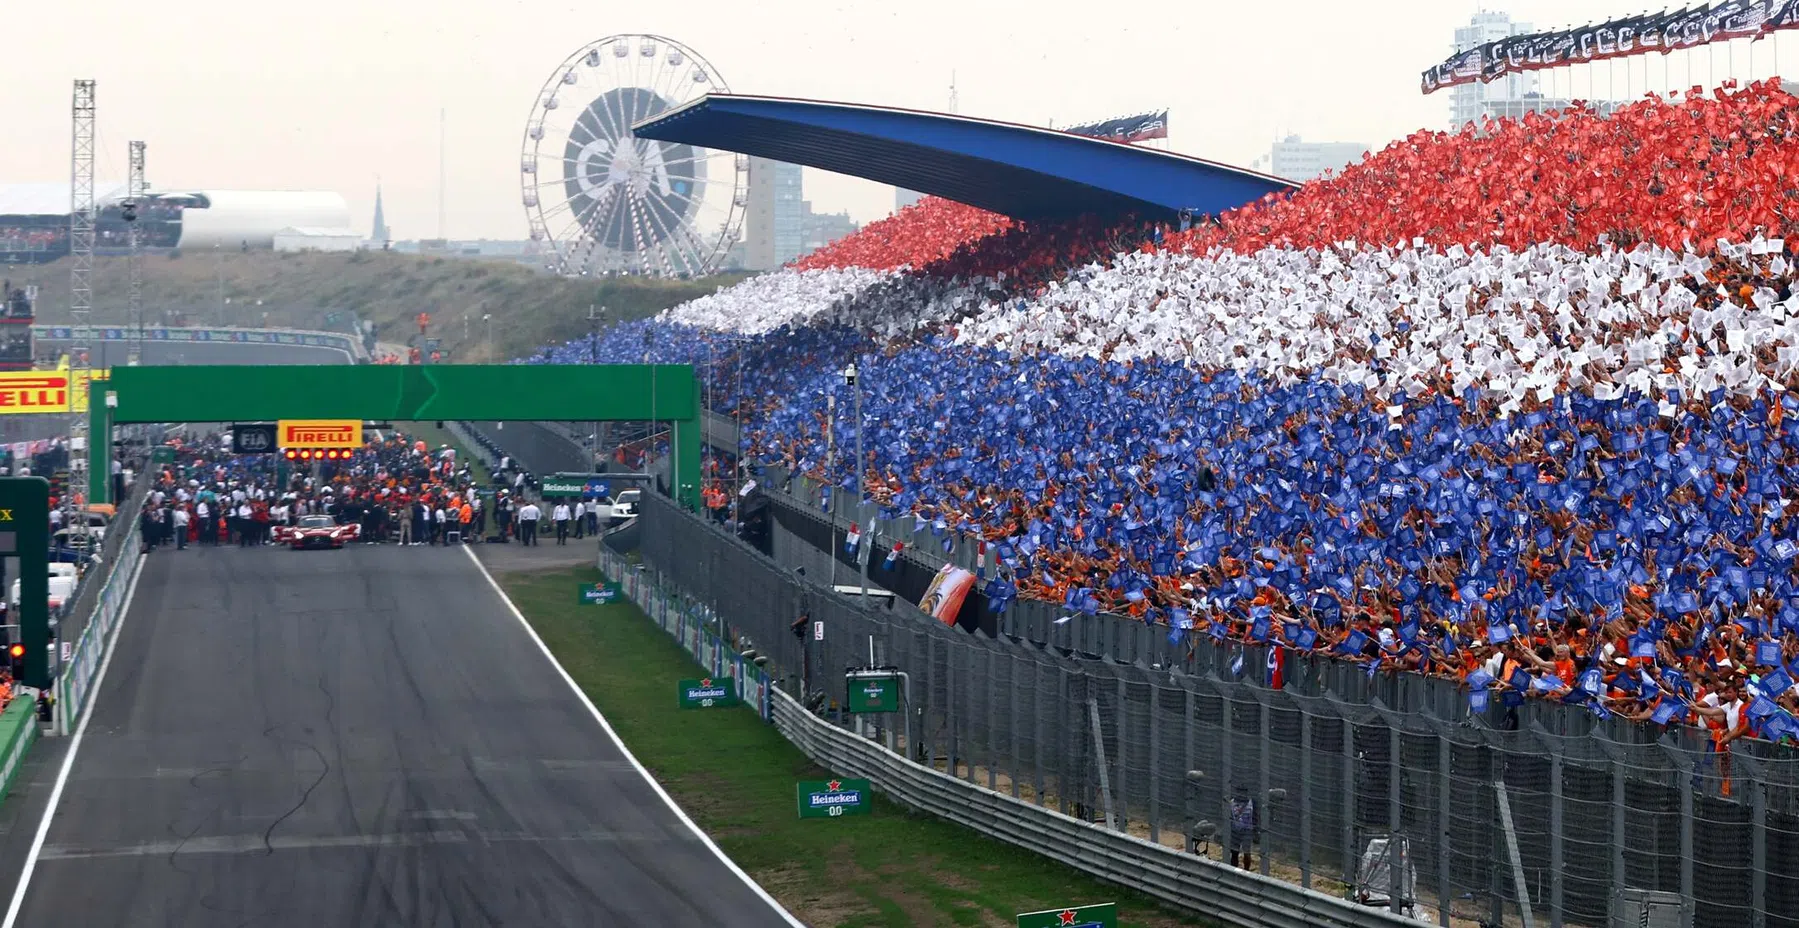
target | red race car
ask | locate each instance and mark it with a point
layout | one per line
(316, 532)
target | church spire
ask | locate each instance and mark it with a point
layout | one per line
(380, 232)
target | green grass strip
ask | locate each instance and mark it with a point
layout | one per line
(735, 776)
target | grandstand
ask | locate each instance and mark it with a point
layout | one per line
(34, 218)
(1512, 405)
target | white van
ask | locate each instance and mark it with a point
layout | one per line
(624, 505)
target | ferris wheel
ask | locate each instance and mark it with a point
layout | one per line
(599, 199)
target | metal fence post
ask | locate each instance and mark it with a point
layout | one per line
(1121, 726)
(1557, 825)
(1037, 734)
(1188, 819)
(1226, 737)
(1758, 849)
(1349, 802)
(1617, 829)
(992, 745)
(1155, 764)
(1016, 766)
(1686, 831)
(1063, 783)
(1443, 750)
(1305, 798)
(1265, 748)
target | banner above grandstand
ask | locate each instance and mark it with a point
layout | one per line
(1139, 128)
(1633, 35)
(1025, 172)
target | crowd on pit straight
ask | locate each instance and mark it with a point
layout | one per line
(1457, 411)
(396, 489)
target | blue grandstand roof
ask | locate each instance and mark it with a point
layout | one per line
(1024, 172)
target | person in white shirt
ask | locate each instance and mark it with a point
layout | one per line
(438, 535)
(181, 521)
(580, 517)
(246, 525)
(528, 516)
(209, 524)
(560, 515)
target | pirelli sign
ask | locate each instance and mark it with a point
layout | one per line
(24, 392)
(319, 433)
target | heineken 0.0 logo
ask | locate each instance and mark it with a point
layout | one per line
(832, 798)
(707, 693)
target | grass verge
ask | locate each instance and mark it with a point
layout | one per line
(735, 776)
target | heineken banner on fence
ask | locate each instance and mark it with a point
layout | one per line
(601, 594)
(833, 798)
(708, 693)
(1078, 916)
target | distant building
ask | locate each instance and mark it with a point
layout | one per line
(1302, 161)
(903, 198)
(775, 225)
(821, 229)
(1473, 102)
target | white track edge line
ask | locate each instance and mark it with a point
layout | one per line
(68, 761)
(620, 744)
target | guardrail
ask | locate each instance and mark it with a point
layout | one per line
(1195, 883)
(18, 731)
(225, 334)
(74, 685)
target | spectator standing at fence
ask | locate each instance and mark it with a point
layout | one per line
(528, 516)
(1244, 828)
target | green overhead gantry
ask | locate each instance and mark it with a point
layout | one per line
(401, 393)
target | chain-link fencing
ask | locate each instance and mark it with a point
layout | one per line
(1484, 822)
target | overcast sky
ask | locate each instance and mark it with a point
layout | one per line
(328, 94)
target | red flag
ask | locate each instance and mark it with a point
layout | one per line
(1276, 665)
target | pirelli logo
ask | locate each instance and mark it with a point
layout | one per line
(34, 391)
(320, 433)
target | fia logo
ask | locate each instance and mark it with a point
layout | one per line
(253, 440)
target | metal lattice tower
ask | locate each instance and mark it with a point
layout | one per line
(134, 196)
(82, 216)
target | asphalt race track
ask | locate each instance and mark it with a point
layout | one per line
(364, 737)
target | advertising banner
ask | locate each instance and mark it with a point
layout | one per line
(1079, 916)
(601, 594)
(34, 392)
(833, 798)
(320, 433)
(707, 693)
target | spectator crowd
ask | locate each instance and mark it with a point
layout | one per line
(1515, 405)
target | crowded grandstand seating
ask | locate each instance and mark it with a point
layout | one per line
(1691, 170)
(1515, 405)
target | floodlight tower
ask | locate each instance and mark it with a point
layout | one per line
(134, 206)
(82, 217)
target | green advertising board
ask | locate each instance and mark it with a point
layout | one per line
(404, 393)
(601, 594)
(25, 534)
(833, 798)
(872, 691)
(570, 485)
(708, 693)
(1074, 916)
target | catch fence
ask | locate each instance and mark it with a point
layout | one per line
(1574, 826)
